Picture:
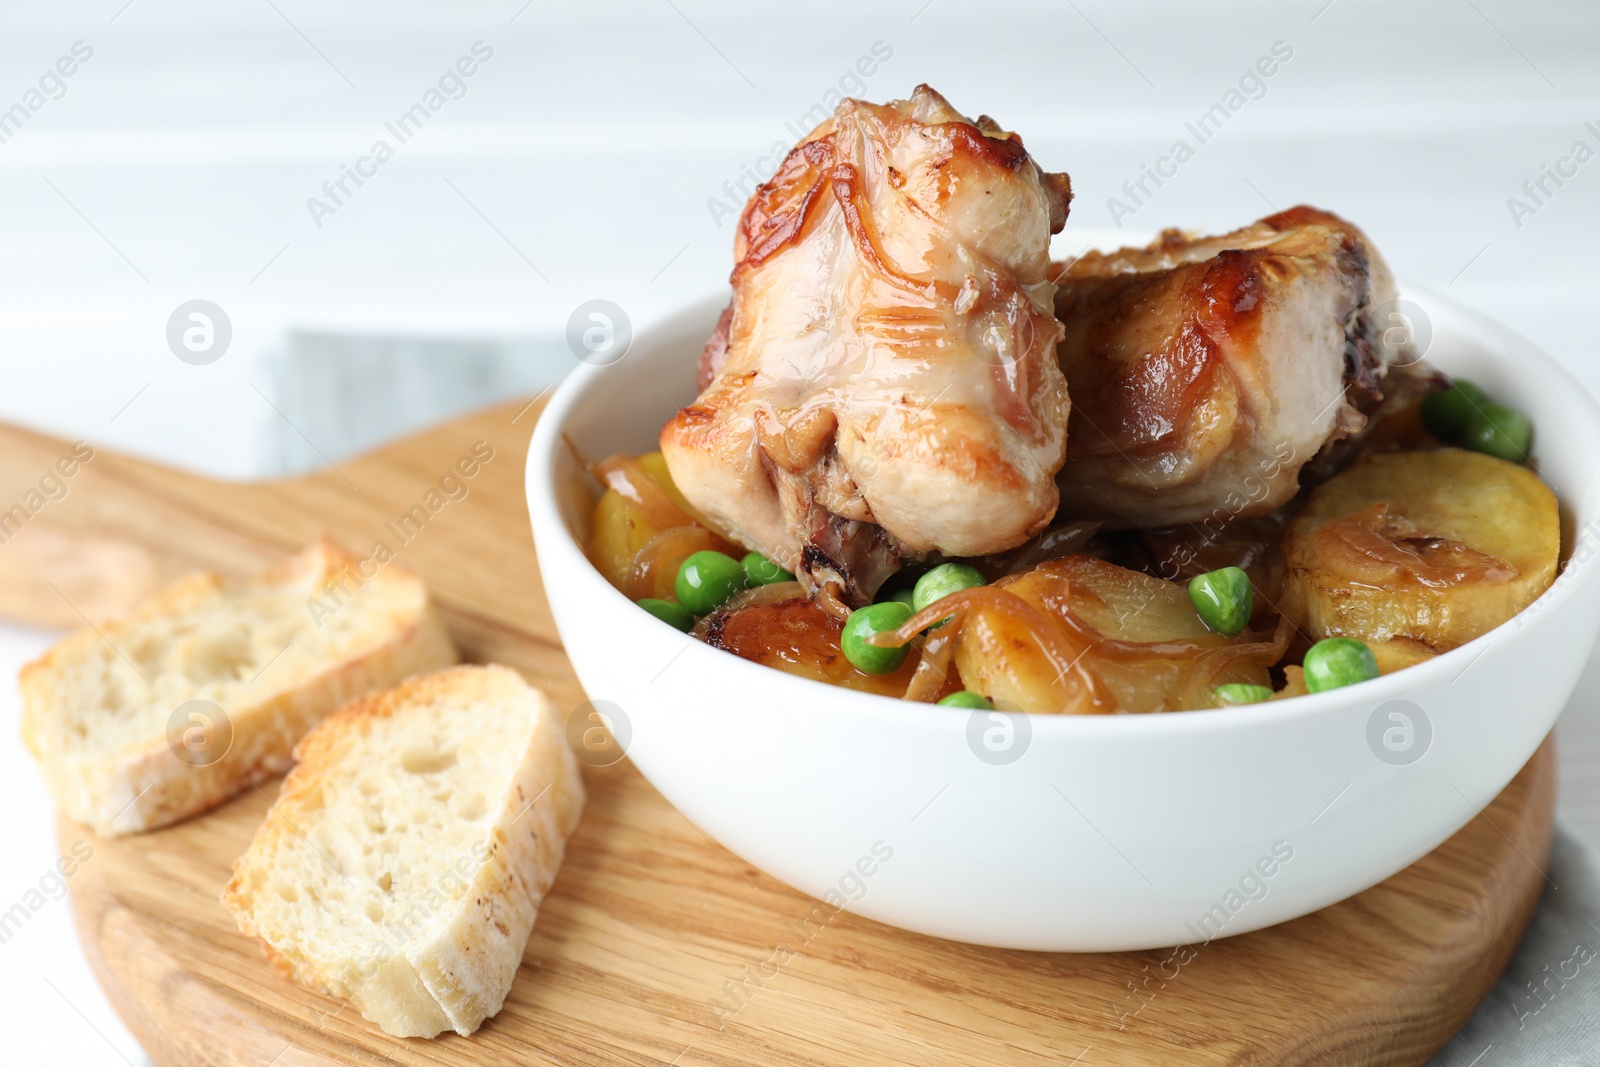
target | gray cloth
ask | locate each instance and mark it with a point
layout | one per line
(341, 395)
(1546, 1008)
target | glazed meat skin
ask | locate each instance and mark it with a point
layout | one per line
(884, 383)
(1206, 372)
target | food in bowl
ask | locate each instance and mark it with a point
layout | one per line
(926, 462)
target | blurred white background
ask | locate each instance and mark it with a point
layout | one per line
(585, 158)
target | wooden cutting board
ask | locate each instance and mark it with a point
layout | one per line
(650, 925)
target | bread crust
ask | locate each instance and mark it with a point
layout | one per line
(145, 786)
(460, 975)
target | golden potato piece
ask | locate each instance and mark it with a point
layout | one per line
(798, 637)
(1089, 636)
(618, 530)
(640, 531)
(1419, 552)
(1398, 653)
(655, 465)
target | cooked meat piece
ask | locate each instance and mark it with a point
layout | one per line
(1394, 423)
(884, 383)
(1205, 372)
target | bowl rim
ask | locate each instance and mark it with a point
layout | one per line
(1574, 578)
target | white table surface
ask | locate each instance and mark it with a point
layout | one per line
(580, 163)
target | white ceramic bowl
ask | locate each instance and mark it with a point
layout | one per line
(1109, 832)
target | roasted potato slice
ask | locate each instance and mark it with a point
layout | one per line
(797, 636)
(618, 529)
(655, 465)
(641, 529)
(1095, 637)
(1398, 653)
(1419, 552)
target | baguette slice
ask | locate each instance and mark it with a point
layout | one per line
(107, 711)
(403, 864)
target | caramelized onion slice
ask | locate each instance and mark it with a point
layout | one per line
(1430, 548)
(1206, 672)
(629, 478)
(796, 636)
(934, 676)
(1061, 540)
(1376, 548)
(655, 568)
(1131, 642)
(776, 593)
(1078, 590)
(1064, 656)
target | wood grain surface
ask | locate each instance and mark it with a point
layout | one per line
(656, 945)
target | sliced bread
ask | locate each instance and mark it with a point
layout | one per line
(203, 690)
(404, 861)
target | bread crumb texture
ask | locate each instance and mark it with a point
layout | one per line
(108, 710)
(404, 861)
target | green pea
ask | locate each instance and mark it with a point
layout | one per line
(966, 698)
(862, 624)
(1240, 693)
(1223, 598)
(759, 570)
(706, 579)
(668, 611)
(1496, 430)
(1445, 414)
(1338, 661)
(940, 582)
